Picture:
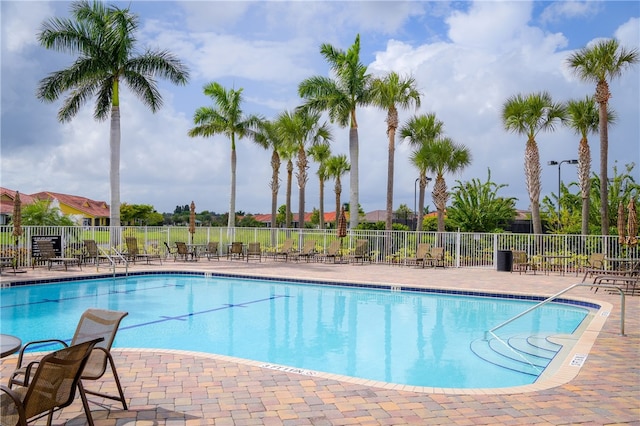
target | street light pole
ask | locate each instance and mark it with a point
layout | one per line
(559, 164)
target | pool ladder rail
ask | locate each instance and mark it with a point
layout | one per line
(110, 255)
(555, 296)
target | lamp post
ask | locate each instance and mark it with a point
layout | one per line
(415, 206)
(559, 164)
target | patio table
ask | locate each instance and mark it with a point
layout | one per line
(9, 345)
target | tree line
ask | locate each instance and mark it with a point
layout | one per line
(103, 37)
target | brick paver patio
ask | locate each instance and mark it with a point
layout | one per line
(186, 388)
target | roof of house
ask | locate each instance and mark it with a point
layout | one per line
(85, 205)
(82, 204)
(6, 200)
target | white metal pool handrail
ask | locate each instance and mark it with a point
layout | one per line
(113, 262)
(555, 296)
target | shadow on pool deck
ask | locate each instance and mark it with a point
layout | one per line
(176, 387)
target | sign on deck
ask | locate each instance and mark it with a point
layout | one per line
(56, 241)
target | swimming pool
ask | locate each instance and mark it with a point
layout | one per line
(405, 337)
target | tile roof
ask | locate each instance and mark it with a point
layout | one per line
(85, 205)
(6, 200)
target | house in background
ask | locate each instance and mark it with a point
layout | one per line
(82, 210)
(6, 204)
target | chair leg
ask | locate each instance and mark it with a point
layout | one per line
(116, 378)
(85, 403)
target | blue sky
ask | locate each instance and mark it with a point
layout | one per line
(467, 58)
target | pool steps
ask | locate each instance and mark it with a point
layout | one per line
(526, 354)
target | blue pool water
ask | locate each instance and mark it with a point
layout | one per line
(404, 337)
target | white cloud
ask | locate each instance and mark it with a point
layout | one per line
(629, 33)
(489, 25)
(558, 11)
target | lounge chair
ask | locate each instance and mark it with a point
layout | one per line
(522, 263)
(184, 252)
(285, 250)
(169, 251)
(94, 323)
(422, 251)
(333, 251)
(93, 253)
(594, 266)
(307, 252)
(361, 252)
(53, 384)
(254, 251)
(47, 254)
(212, 250)
(236, 250)
(133, 253)
(434, 258)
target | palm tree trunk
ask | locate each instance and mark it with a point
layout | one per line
(288, 198)
(302, 183)
(321, 222)
(392, 124)
(114, 166)
(584, 168)
(532, 176)
(602, 98)
(275, 186)
(353, 181)
(440, 200)
(231, 222)
(423, 186)
(338, 190)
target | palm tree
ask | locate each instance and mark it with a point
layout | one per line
(268, 137)
(302, 128)
(600, 63)
(582, 117)
(337, 166)
(287, 152)
(390, 93)
(320, 154)
(445, 156)
(104, 40)
(340, 97)
(528, 115)
(419, 131)
(420, 159)
(226, 118)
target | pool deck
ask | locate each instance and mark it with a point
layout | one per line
(187, 388)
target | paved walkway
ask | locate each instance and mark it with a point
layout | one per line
(186, 388)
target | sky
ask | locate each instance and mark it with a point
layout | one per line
(467, 58)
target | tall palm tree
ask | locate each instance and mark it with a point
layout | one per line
(582, 117)
(599, 64)
(390, 93)
(320, 154)
(445, 156)
(419, 131)
(340, 97)
(419, 157)
(302, 128)
(268, 137)
(104, 40)
(226, 118)
(287, 152)
(337, 166)
(528, 115)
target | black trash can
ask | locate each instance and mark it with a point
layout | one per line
(504, 260)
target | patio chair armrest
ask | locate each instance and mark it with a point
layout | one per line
(17, 401)
(37, 342)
